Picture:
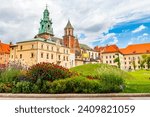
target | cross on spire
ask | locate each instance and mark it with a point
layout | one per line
(46, 6)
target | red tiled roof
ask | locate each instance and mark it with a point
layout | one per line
(136, 49)
(110, 49)
(4, 48)
(98, 49)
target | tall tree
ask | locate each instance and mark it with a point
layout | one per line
(146, 60)
(117, 60)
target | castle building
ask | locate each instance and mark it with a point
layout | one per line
(4, 54)
(44, 47)
(68, 52)
(130, 57)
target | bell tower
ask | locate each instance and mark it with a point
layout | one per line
(69, 39)
(45, 30)
(69, 29)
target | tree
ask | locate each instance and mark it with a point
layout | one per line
(117, 60)
(146, 59)
(134, 65)
(142, 64)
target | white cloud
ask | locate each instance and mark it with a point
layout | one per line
(139, 39)
(20, 18)
(145, 34)
(139, 29)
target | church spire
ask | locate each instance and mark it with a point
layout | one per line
(69, 29)
(69, 25)
(46, 23)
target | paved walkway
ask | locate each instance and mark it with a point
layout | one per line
(114, 96)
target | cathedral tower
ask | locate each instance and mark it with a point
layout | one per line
(69, 39)
(45, 30)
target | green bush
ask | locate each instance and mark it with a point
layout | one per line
(9, 75)
(22, 87)
(75, 85)
(5, 88)
(48, 71)
(112, 79)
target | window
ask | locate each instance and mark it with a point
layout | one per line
(57, 49)
(110, 61)
(47, 47)
(47, 56)
(67, 58)
(125, 63)
(64, 50)
(32, 55)
(21, 47)
(129, 58)
(20, 56)
(106, 61)
(64, 58)
(59, 57)
(106, 57)
(11, 56)
(124, 58)
(113, 56)
(52, 48)
(41, 55)
(109, 56)
(42, 46)
(51, 56)
(32, 46)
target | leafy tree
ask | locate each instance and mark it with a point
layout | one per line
(117, 60)
(146, 59)
(134, 65)
(142, 64)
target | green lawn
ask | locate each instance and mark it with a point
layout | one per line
(139, 82)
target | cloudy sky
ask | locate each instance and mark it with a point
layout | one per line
(96, 22)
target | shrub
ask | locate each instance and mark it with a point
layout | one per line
(112, 79)
(5, 88)
(47, 71)
(9, 75)
(75, 85)
(22, 87)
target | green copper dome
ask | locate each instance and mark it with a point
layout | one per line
(46, 23)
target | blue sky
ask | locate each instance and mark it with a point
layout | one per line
(96, 22)
(134, 32)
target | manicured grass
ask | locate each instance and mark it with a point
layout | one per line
(136, 81)
(139, 83)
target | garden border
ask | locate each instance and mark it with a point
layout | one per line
(10, 95)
